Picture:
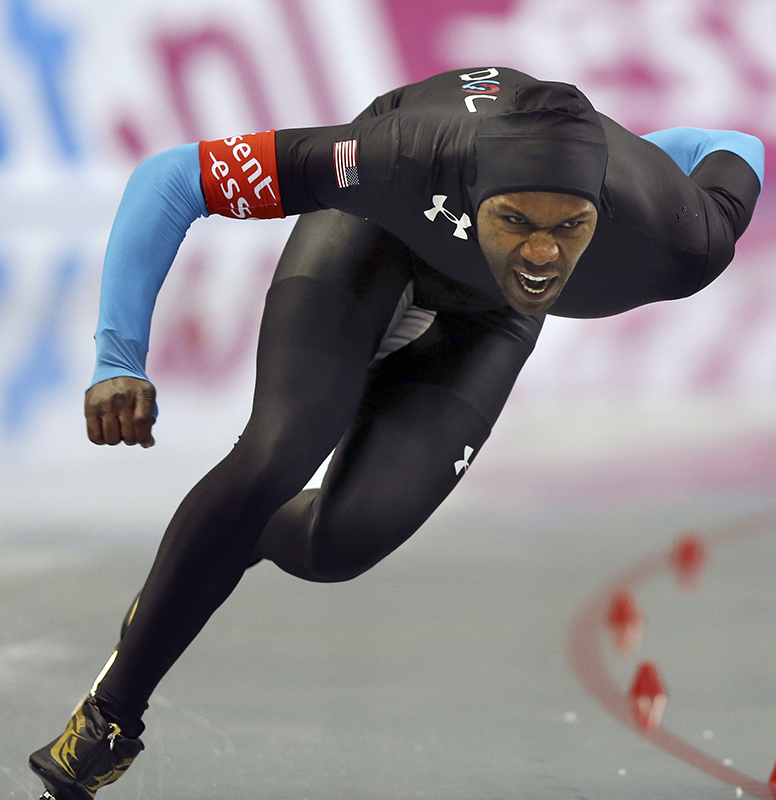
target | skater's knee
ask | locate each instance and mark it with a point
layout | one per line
(330, 564)
(264, 464)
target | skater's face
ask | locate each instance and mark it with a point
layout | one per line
(532, 242)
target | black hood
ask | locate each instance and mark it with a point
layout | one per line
(552, 142)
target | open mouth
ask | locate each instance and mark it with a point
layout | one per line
(533, 284)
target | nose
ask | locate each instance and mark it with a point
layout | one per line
(539, 248)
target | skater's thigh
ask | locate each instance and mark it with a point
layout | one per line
(354, 254)
(337, 285)
(428, 410)
(476, 356)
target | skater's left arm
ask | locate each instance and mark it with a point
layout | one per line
(689, 146)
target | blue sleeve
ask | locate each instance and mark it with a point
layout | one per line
(689, 146)
(163, 197)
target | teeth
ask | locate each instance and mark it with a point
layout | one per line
(538, 283)
(533, 278)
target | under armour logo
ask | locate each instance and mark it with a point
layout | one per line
(463, 464)
(460, 224)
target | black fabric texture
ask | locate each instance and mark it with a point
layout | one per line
(399, 427)
(553, 142)
(427, 158)
(408, 428)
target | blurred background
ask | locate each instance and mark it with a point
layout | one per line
(443, 672)
(88, 89)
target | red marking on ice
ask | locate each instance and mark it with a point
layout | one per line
(689, 558)
(648, 696)
(588, 663)
(625, 621)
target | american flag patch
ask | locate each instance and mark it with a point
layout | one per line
(346, 163)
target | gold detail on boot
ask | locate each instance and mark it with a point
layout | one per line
(63, 750)
(98, 781)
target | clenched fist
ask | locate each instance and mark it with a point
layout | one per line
(120, 410)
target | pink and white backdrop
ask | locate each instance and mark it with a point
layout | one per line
(89, 88)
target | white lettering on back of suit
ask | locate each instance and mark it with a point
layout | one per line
(480, 85)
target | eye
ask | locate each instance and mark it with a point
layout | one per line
(513, 219)
(572, 226)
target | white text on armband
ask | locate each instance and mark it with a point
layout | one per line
(220, 170)
(239, 176)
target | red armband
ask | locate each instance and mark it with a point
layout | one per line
(240, 176)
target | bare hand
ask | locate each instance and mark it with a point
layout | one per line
(120, 410)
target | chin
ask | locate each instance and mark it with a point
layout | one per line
(529, 308)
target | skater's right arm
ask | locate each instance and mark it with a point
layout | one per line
(235, 177)
(163, 197)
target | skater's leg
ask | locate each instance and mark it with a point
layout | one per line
(336, 288)
(429, 408)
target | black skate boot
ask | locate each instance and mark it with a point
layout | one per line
(90, 754)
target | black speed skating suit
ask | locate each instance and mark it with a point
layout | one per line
(405, 428)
